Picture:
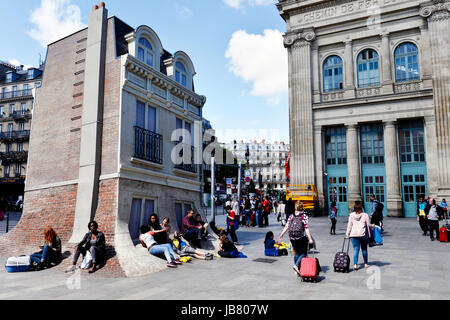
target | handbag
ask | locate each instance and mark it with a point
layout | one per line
(87, 261)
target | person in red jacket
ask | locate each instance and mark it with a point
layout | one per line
(266, 210)
(232, 224)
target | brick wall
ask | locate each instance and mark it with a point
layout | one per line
(54, 207)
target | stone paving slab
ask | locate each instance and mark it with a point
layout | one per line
(410, 265)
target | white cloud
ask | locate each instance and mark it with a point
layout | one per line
(18, 64)
(184, 12)
(239, 4)
(55, 19)
(261, 60)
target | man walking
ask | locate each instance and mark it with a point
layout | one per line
(433, 219)
(422, 211)
(376, 217)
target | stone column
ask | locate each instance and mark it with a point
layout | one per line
(387, 83)
(353, 165)
(425, 57)
(438, 17)
(349, 82)
(316, 74)
(431, 154)
(300, 107)
(393, 182)
(319, 158)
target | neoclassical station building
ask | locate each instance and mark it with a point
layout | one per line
(369, 100)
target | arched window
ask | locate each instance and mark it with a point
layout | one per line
(406, 58)
(145, 52)
(332, 74)
(368, 69)
(181, 74)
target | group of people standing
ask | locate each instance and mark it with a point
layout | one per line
(256, 210)
(428, 215)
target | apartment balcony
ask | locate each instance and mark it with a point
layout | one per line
(21, 115)
(148, 145)
(13, 157)
(15, 95)
(15, 136)
(191, 166)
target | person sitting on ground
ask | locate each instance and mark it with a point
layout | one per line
(161, 235)
(166, 226)
(218, 231)
(190, 230)
(148, 241)
(188, 250)
(51, 250)
(269, 245)
(94, 242)
(227, 249)
(204, 225)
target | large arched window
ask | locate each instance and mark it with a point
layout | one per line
(332, 74)
(368, 69)
(406, 58)
(180, 74)
(145, 52)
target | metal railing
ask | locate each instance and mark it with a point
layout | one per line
(190, 167)
(15, 94)
(21, 114)
(11, 135)
(14, 156)
(148, 145)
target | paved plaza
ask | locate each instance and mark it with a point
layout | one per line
(410, 266)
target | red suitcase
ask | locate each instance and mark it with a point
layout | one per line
(444, 231)
(309, 269)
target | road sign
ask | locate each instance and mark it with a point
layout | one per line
(229, 180)
(248, 173)
(247, 179)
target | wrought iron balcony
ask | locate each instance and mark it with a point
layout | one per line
(148, 145)
(13, 157)
(21, 115)
(190, 167)
(12, 95)
(15, 135)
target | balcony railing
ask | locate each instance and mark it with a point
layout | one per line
(15, 94)
(14, 156)
(148, 145)
(15, 135)
(21, 115)
(190, 167)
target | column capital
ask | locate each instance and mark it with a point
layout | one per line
(318, 129)
(351, 126)
(438, 11)
(385, 34)
(389, 123)
(347, 41)
(299, 38)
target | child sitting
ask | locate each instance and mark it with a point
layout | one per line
(270, 249)
(227, 249)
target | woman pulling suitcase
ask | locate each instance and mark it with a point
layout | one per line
(299, 234)
(358, 230)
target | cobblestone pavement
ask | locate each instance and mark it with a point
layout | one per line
(410, 267)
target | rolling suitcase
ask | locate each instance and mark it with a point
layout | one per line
(18, 264)
(342, 260)
(444, 232)
(309, 269)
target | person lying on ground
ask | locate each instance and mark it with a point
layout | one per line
(188, 250)
(148, 241)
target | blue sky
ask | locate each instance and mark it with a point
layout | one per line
(236, 47)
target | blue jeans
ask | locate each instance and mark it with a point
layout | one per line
(165, 249)
(47, 255)
(301, 250)
(357, 243)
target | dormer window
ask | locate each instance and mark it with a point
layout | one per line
(145, 52)
(181, 74)
(30, 74)
(9, 77)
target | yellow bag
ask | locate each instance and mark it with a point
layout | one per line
(176, 243)
(185, 259)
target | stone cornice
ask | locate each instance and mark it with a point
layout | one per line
(137, 67)
(301, 37)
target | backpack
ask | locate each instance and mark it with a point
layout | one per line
(296, 228)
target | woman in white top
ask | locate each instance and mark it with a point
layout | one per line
(148, 241)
